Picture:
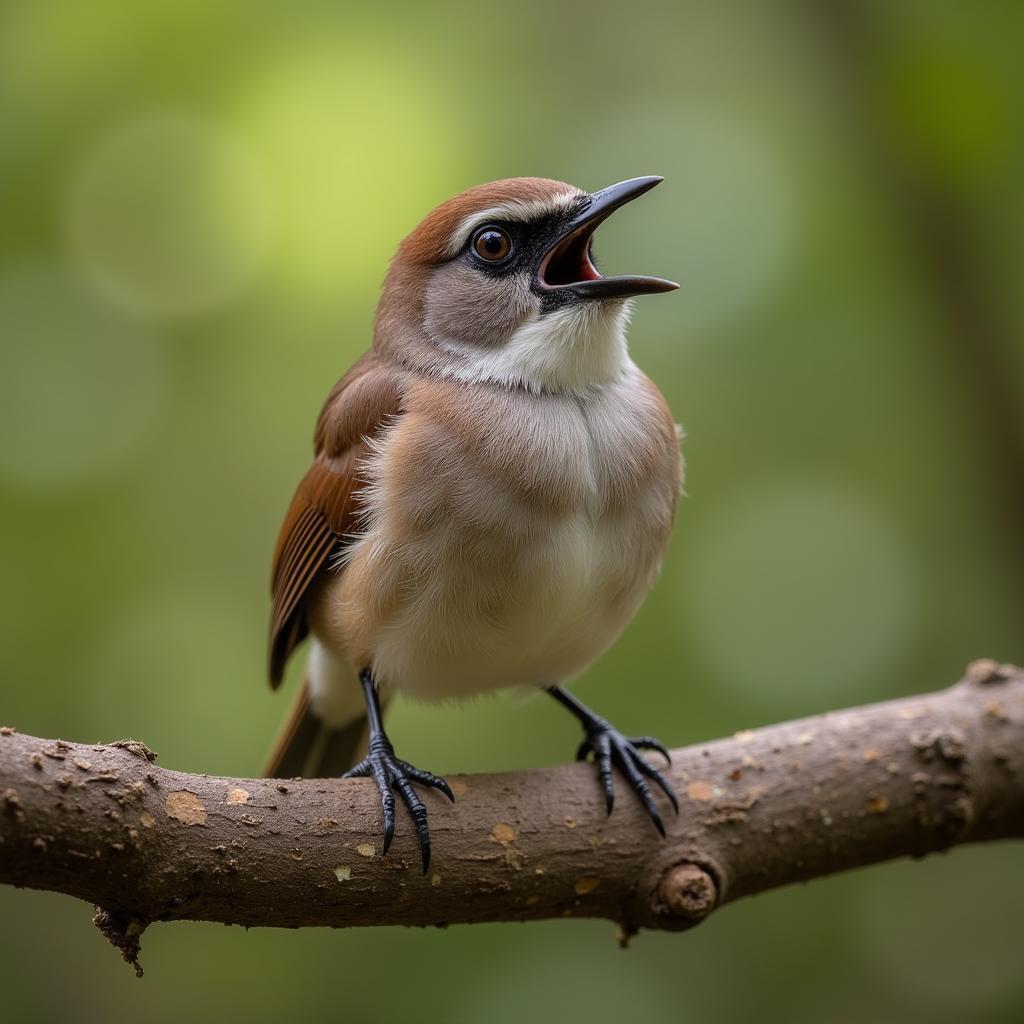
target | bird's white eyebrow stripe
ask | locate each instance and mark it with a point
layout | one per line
(514, 209)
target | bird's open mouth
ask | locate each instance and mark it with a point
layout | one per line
(569, 261)
(567, 265)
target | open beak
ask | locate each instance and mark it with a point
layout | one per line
(567, 266)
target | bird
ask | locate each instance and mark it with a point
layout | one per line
(492, 491)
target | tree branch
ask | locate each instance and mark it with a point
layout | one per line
(759, 810)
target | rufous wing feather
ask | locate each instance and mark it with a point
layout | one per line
(323, 516)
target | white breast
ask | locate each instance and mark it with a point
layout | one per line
(497, 590)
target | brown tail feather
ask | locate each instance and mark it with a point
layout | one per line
(307, 747)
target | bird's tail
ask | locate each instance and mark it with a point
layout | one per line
(310, 747)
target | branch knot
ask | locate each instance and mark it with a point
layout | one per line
(687, 891)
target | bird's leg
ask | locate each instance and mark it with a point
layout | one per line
(610, 747)
(390, 773)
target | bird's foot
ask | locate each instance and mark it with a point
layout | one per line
(609, 748)
(391, 773)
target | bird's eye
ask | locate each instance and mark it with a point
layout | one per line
(492, 244)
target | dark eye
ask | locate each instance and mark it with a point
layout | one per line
(491, 244)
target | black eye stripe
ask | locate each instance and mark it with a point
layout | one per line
(529, 241)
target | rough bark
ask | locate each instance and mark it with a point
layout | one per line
(759, 810)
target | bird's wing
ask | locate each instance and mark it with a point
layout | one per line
(323, 515)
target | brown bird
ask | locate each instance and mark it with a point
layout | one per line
(492, 492)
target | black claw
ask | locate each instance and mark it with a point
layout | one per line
(655, 776)
(419, 817)
(428, 779)
(390, 774)
(610, 749)
(650, 743)
(603, 755)
(629, 767)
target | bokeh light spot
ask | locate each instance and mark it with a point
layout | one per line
(359, 146)
(80, 389)
(168, 216)
(798, 587)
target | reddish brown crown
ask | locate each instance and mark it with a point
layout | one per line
(429, 242)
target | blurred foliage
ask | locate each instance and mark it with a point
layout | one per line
(197, 206)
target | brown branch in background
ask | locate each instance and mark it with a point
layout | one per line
(759, 810)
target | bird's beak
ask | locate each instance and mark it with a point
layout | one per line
(567, 267)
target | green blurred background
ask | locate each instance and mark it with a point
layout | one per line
(197, 203)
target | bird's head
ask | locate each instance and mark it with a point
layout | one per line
(499, 284)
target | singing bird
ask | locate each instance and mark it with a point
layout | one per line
(493, 488)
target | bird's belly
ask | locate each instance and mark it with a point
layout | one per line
(461, 611)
